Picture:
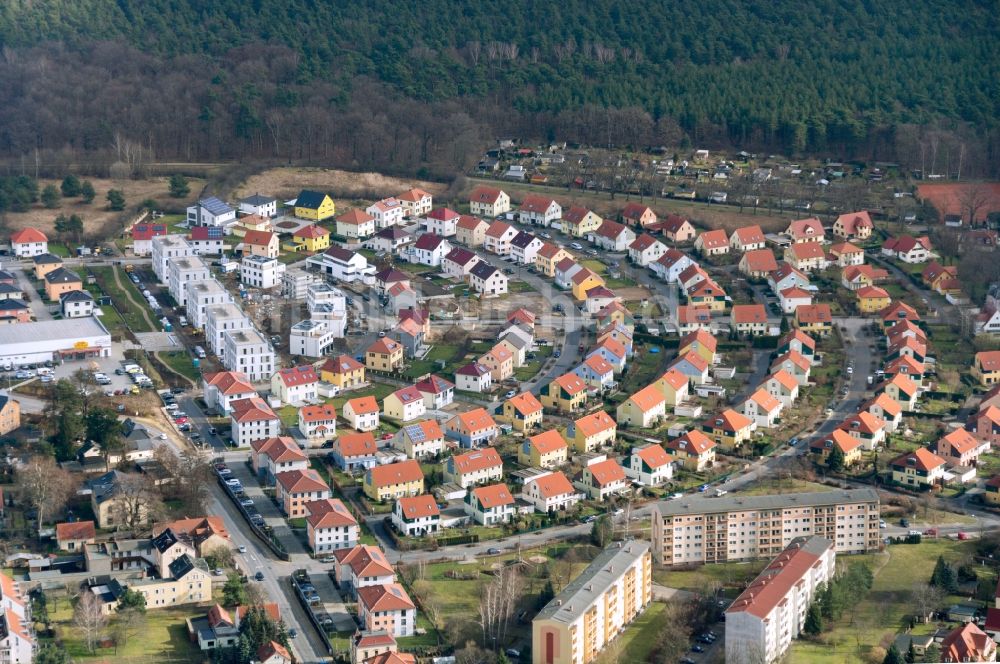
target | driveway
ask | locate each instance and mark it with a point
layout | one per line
(38, 308)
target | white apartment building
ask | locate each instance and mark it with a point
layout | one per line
(295, 283)
(248, 351)
(317, 294)
(165, 247)
(261, 272)
(595, 607)
(222, 318)
(199, 296)
(183, 270)
(695, 529)
(762, 622)
(252, 419)
(311, 338)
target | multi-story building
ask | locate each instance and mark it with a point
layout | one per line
(270, 457)
(488, 201)
(471, 468)
(261, 271)
(700, 529)
(222, 318)
(165, 247)
(545, 450)
(416, 516)
(362, 413)
(592, 431)
(199, 296)
(247, 351)
(490, 505)
(297, 488)
(551, 492)
(295, 384)
(762, 622)
(386, 212)
(359, 566)
(252, 419)
(183, 270)
(387, 607)
(28, 242)
(595, 607)
(318, 422)
(312, 338)
(17, 639)
(211, 211)
(420, 440)
(330, 525)
(394, 481)
(224, 387)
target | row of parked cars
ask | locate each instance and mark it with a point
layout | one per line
(235, 487)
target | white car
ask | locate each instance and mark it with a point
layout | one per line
(575, 245)
(242, 549)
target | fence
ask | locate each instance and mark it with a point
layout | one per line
(263, 535)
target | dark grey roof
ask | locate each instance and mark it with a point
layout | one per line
(309, 199)
(103, 486)
(180, 567)
(76, 296)
(165, 540)
(257, 199)
(12, 304)
(215, 206)
(483, 270)
(46, 259)
(738, 502)
(61, 275)
(522, 239)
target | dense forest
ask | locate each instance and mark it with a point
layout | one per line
(272, 78)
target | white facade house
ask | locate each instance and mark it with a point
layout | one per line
(498, 238)
(222, 318)
(199, 296)
(295, 385)
(248, 351)
(222, 388)
(165, 247)
(312, 338)
(387, 212)
(416, 516)
(473, 378)
(762, 622)
(649, 465)
(252, 419)
(343, 264)
(524, 248)
(429, 249)
(670, 265)
(76, 304)
(211, 212)
(551, 492)
(443, 222)
(264, 206)
(28, 242)
(261, 272)
(539, 210)
(459, 262)
(487, 280)
(183, 270)
(645, 250)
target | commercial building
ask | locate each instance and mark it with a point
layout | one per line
(595, 607)
(249, 352)
(54, 341)
(698, 529)
(762, 622)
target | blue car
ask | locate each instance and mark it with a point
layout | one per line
(703, 488)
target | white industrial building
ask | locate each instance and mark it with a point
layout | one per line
(220, 319)
(183, 270)
(248, 351)
(165, 247)
(261, 271)
(54, 341)
(199, 296)
(311, 338)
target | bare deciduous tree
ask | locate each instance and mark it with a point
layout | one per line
(925, 599)
(45, 486)
(497, 603)
(136, 501)
(89, 619)
(973, 199)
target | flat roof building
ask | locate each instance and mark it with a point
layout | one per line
(54, 340)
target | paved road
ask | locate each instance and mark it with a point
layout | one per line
(38, 308)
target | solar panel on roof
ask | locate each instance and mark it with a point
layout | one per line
(214, 205)
(415, 432)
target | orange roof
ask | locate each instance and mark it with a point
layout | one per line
(654, 456)
(575, 215)
(553, 484)
(365, 561)
(385, 597)
(469, 223)
(362, 405)
(988, 360)
(706, 288)
(300, 375)
(402, 472)
(413, 195)
(692, 442)
(329, 513)
(805, 228)
(301, 481)
(610, 229)
(536, 203)
(773, 585)
(763, 399)
(888, 405)
(811, 314)
(230, 382)
(430, 429)
(806, 250)
(797, 335)
(418, 507)
(729, 421)
(749, 234)
(872, 292)
(700, 336)
(384, 346)
(550, 251)
(968, 643)
(571, 383)
(199, 528)
(613, 346)
(270, 649)
(76, 530)
(26, 235)
(899, 311)
(786, 379)
(356, 444)
(694, 359)
(796, 293)
(476, 460)
(497, 229)
(258, 238)
(647, 398)
(476, 420)
(550, 441)
(606, 472)
(594, 423)
(760, 260)
(903, 383)
(492, 496)
(839, 438)
(483, 194)
(598, 364)
(355, 217)
(674, 379)
(253, 409)
(714, 239)
(693, 314)
(852, 221)
(525, 403)
(311, 231)
(318, 413)
(279, 448)
(635, 210)
(796, 358)
(863, 422)
(906, 365)
(842, 248)
(960, 440)
(920, 458)
(749, 313)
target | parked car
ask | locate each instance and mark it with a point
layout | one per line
(259, 576)
(493, 551)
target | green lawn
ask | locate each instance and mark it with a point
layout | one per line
(640, 637)
(173, 222)
(518, 286)
(59, 249)
(377, 390)
(289, 416)
(181, 362)
(129, 308)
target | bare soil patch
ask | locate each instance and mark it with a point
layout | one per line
(343, 186)
(947, 197)
(98, 221)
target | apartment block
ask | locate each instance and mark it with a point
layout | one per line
(248, 351)
(165, 247)
(183, 270)
(762, 622)
(220, 319)
(199, 296)
(595, 607)
(261, 271)
(697, 529)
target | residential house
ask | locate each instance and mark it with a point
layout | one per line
(420, 440)
(471, 231)
(646, 250)
(222, 388)
(270, 457)
(644, 409)
(919, 468)
(902, 389)
(296, 488)
(854, 225)
(792, 298)
(551, 492)
(314, 206)
(355, 224)
(539, 210)
(498, 238)
(677, 229)
(343, 371)
(361, 566)
(786, 276)
(747, 238)
(750, 319)
(584, 280)
(814, 319)
(700, 342)
(670, 265)
(549, 255)
(416, 516)
(442, 222)
(490, 505)
(395, 480)
(489, 201)
(473, 377)
(524, 412)
(473, 428)
(798, 341)
(984, 425)
(729, 429)
(846, 254)
(674, 386)
(693, 366)
(612, 236)
(252, 419)
(612, 351)
(45, 263)
(387, 607)
(986, 367)
(763, 408)
(886, 409)
(476, 467)
(692, 318)
(342, 264)
(545, 450)
(638, 215)
(579, 221)
(71, 536)
(805, 256)
(76, 304)
(436, 391)
(404, 404)
(524, 248)
(295, 385)
(354, 451)
(429, 249)
(598, 373)
(500, 361)
(758, 263)
(311, 238)
(487, 280)
(649, 465)
(848, 445)
(867, 428)
(694, 450)
(142, 237)
(362, 413)
(318, 422)
(518, 342)
(458, 263)
(872, 299)
(261, 243)
(384, 355)
(712, 243)
(416, 202)
(855, 277)
(61, 281)
(806, 230)
(28, 242)
(968, 643)
(908, 249)
(906, 365)
(783, 386)
(603, 479)
(708, 294)
(795, 364)
(960, 448)
(593, 431)
(566, 393)
(389, 277)
(264, 206)
(391, 240)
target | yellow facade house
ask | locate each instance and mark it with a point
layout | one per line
(546, 450)
(548, 257)
(593, 431)
(314, 206)
(311, 238)
(523, 412)
(343, 371)
(583, 281)
(384, 355)
(566, 393)
(395, 480)
(872, 299)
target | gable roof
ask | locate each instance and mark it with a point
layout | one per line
(303, 374)
(635, 210)
(355, 217)
(549, 250)
(606, 472)
(494, 495)
(811, 314)
(341, 364)
(384, 346)
(423, 431)
(252, 409)
(764, 399)
(486, 195)
(536, 203)
(714, 239)
(760, 260)
(575, 215)
(988, 360)
(643, 242)
(418, 507)
(851, 222)
(749, 234)
(570, 383)
(329, 513)
(967, 643)
(610, 229)
(553, 484)
(806, 250)
(26, 235)
(960, 440)
(461, 256)
(279, 449)
(76, 530)
(311, 231)
(476, 460)
(258, 238)
(402, 472)
(385, 597)
(549, 441)
(596, 422)
(311, 200)
(467, 222)
(729, 420)
(498, 229)
(434, 384)
(356, 444)
(749, 313)
(484, 271)
(301, 481)
(476, 419)
(429, 242)
(920, 458)
(525, 403)
(839, 438)
(693, 442)
(647, 398)
(362, 405)
(805, 228)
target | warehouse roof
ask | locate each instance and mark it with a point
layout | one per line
(51, 330)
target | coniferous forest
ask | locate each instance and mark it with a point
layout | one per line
(414, 83)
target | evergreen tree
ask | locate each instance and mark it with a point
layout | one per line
(911, 653)
(893, 656)
(116, 200)
(70, 186)
(835, 461)
(234, 593)
(50, 196)
(943, 576)
(87, 192)
(602, 531)
(933, 653)
(179, 186)
(51, 654)
(132, 600)
(814, 620)
(547, 594)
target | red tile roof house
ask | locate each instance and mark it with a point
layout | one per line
(224, 387)
(142, 237)
(985, 425)
(758, 263)
(74, 535)
(968, 643)
(867, 428)
(750, 319)
(806, 230)
(960, 448)
(638, 215)
(747, 238)
(387, 607)
(649, 465)
(252, 419)
(416, 516)
(908, 249)
(330, 526)
(712, 243)
(354, 451)
(795, 364)
(318, 423)
(437, 392)
(676, 229)
(645, 250)
(490, 505)
(612, 236)
(550, 493)
(360, 566)
(272, 456)
(298, 487)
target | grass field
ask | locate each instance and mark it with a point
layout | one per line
(640, 638)
(181, 362)
(132, 298)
